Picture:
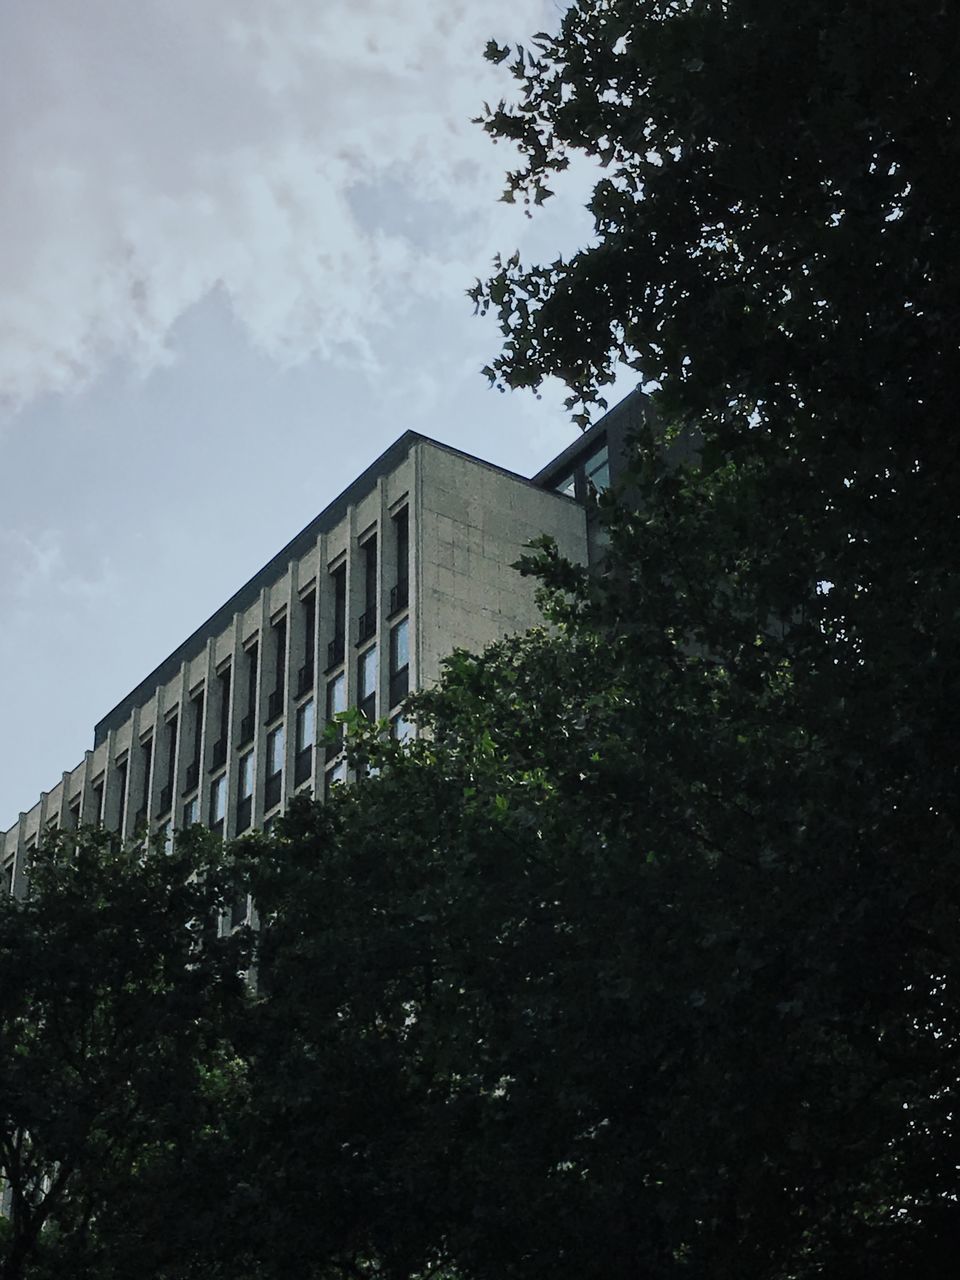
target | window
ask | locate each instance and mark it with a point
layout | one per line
(275, 753)
(597, 470)
(368, 619)
(146, 749)
(98, 801)
(335, 648)
(275, 745)
(401, 728)
(245, 776)
(400, 592)
(122, 770)
(306, 732)
(166, 795)
(335, 777)
(239, 910)
(220, 746)
(305, 674)
(306, 725)
(275, 701)
(399, 662)
(367, 682)
(193, 768)
(590, 475)
(246, 724)
(190, 812)
(336, 704)
(74, 814)
(218, 800)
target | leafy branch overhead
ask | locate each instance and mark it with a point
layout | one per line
(774, 208)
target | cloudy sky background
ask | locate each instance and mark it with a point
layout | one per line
(236, 237)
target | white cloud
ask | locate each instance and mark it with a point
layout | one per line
(155, 152)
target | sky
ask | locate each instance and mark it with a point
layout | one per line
(236, 240)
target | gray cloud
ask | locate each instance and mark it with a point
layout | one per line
(154, 153)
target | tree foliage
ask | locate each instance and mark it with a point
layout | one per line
(116, 1003)
(775, 219)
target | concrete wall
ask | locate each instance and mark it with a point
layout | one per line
(468, 522)
(475, 522)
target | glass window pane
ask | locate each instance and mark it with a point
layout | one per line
(567, 486)
(401, 728)
(368, 673)
(598, 469)
(336, 696)
(306, 725)
(335, 776)
(246, 775)
(400, 646)
(275, 751)
(218, 798)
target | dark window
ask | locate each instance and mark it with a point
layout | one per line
(218, 800)
(244, 791)
(190, 812)
(590, 475)
(244, 814)
(273, 790)
(370, 574)
(74, 814)
(98, 803)
(400, 591)
(275, 752)
(239, 910)
(166, 793)
(335, 648)
(335, 777)
(193, 768)
(306, 735)
(367, 682)
(399, 661)
(220, 746)
(368, 619)
(247, 723)
(336, 703)
(146, 750)
(305, 674)
(597, 470)
(401, 728)
(275, 701)
(122, 770)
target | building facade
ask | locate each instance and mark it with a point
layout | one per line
(411, 561)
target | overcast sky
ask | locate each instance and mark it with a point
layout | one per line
(236, 236)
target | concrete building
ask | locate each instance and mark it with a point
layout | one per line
(409, 562)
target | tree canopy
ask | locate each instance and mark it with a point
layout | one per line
(116, 1006)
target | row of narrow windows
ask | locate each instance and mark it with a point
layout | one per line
(273, 705)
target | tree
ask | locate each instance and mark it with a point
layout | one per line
(775, 221)
(647, 952)
(606, 977)
(116, 1006)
